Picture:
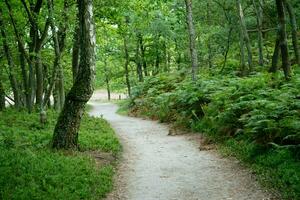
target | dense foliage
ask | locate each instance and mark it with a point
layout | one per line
(256, 118)
(30, 170)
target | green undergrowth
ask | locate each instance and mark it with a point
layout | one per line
(254, 118)
(29, 169)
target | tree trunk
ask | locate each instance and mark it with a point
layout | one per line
(293, 23)
(245, 34)
(259, 19)
(283, 39)
(11, 66)
(106, 73)
(2, 93)
(25, 80)
(126, 66)
(143, 49)
(275, 56)
(138, 60)
(76, 52)
(66, 131)
(192, 38)
(208, 18)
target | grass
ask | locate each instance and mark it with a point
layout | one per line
(29, 169)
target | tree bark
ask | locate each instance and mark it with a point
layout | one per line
(283, 39)
(2, 96)
(143, 50)
(293, 23)
(138, 60)
(107, 79)
(11, 66)
(126, 65)
(245, 35)
(66, 131)
(208, 18)
(275, 56)
(192, 38)
(76, 52)
(259, 19)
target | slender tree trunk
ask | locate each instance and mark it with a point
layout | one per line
(67, 127)
(126, 65)
(178, 59)
(192, 38)
(25, 79)
(245, 34)
(2, 96)
(143, 49)
(11, 66)
(39, 79)
(106, 73)
(259, 19)
(293, 23)
(283, 39)
(227, 49)
(138, 61)
(242, 52)
(275, 56)
(208, 18)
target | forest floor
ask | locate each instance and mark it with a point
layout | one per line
(156, 166)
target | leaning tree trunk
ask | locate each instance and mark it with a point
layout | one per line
(66, 131)
(283, 39)
(192, 37)
(294, 30)
(275, 56)
(245, 34)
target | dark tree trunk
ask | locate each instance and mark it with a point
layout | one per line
(67, 127)
(143, 50)
(293, 23)
(106, 73)
(138, 60)
(192, 38)
(126, 65)
(283, 39)
(275, 56)
(11, 66)
(2, 95)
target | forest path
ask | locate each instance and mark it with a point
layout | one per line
(155, 166)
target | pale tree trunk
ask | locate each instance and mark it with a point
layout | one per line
(66, 131)
(245, 34)
(283, 39)
(293, 23)
(259, 19)
(76, 52)
(192, 38)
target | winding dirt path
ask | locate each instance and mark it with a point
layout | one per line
(156, 166)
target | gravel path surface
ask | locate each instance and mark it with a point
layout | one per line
(156, 166)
